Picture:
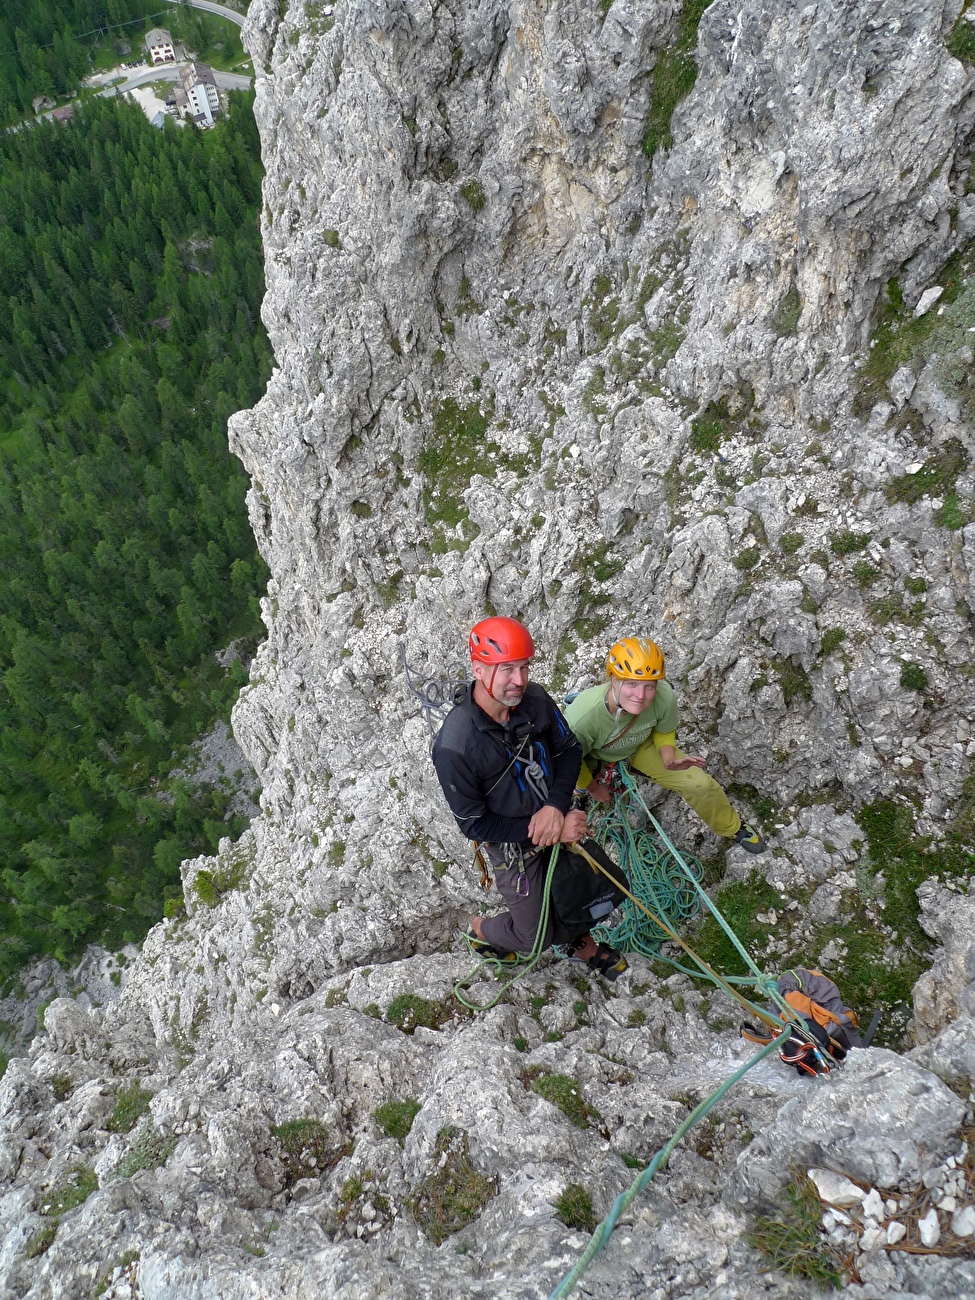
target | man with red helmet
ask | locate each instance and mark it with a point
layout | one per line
(507, 763)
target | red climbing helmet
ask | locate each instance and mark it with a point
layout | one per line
(500, 641)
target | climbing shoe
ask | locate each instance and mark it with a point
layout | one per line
(481, 948)
(609, 963)
(749, 839)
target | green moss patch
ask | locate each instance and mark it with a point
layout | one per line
(455, 1193)
(131, 1103)
(395, 1118)
(574, 1208)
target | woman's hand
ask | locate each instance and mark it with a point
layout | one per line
(668, 756)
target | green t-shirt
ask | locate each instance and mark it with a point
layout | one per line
(597, 729)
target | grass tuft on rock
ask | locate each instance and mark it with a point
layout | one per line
(961, 39)
(562, 1091)
(847, 542)
(41, 1241)
(914, 678)
(832, 638)
(131, 1103)
(574, 1208)
(455, 451)
(410, 1010)
(935, 478)
(395, 1118)
(70, 1191)
(304, 1149)
(149, 1151)
(674, 75)
(455, 1193)
(474, 196)
(793, 1242)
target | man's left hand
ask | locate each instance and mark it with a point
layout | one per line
(545, 828)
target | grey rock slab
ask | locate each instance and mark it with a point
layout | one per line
(880, 1120)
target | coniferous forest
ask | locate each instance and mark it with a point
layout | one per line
(131, 277)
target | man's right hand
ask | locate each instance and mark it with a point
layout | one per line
(574, 827)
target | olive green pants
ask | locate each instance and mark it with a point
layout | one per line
(693, 785)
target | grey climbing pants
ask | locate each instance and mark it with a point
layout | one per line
(522, 890)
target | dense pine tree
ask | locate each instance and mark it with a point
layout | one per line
(129, 330)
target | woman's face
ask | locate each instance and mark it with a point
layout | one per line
(634, 697)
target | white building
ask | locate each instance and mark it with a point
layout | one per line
(159, 46)
(197, 97)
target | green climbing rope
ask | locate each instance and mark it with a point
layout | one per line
(642, 851)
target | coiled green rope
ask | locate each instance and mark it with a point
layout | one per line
(656, 876)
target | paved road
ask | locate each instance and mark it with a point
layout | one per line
(212, 8)
(170, 72)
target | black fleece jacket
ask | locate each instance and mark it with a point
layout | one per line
(482, 765)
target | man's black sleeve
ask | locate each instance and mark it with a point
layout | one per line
(464, 793)
(566, 760)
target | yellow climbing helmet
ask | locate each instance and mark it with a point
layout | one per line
(635, 659)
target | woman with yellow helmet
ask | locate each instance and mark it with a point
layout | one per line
(634, 716)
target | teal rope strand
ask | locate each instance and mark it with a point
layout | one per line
(765, 985)
(603, 1231)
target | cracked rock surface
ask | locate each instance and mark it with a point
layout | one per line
(520, 367)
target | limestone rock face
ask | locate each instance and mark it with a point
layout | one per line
(521, 367)
(883, 1122)
(947, 990)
